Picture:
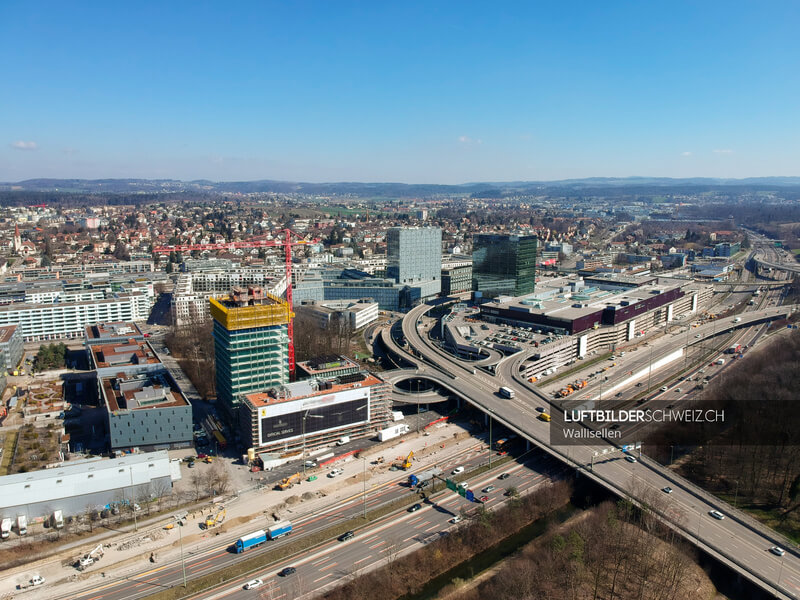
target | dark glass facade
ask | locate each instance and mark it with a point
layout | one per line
(504, 264)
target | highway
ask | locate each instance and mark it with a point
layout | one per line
(333, 562)
(738, 540)
(216, 555)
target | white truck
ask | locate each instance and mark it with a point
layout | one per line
(58, 519)
(5, 527)
(343, 440)
(34, 581)
(22, 524)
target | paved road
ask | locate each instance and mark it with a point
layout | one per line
(737, 541)
(218, 555)
(336, 561)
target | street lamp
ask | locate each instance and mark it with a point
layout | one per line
(133, 500)
(364, 458)
(179, 521)
(491, 412)
(305, 416)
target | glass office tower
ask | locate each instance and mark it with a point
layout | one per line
(504, 264)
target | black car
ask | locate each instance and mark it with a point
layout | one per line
(504, 476)
(415, 508)
(287, 571)
(348, 535)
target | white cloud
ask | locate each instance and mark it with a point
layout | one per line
(687, 153)
(23, 145)
(724, 151)
(465, 139)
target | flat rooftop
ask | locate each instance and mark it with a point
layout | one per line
(308, 389)
(130, 352)
(559, 300)
(142, 391)
(326, 364)
(118, 329)
(6, 332)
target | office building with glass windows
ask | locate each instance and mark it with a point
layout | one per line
(251, 344)
(504, 264)
(414, 258)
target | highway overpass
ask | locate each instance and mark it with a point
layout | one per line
(737, 541)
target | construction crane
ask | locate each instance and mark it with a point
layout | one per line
(214, 520)
(288, 482)
(287, 244)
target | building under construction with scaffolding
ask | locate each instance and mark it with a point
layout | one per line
(251, 345)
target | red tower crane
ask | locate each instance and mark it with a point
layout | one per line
(287, 244)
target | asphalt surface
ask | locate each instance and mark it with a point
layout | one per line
(219, 555)
(334, 562)
(738, 540)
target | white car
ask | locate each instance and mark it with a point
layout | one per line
(253, 583)
(777, 551)
(456, 519)
(463, 485)
(716, 514)
(457, 470)
(630, 459)
(335, 472)
(664, 389)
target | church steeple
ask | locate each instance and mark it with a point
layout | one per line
(17, 239)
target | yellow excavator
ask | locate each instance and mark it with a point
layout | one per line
(214, 520)
(406, 464)
(288, 482)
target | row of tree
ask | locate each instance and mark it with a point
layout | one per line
(614, 552)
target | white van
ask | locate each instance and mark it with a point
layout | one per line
(343, 440)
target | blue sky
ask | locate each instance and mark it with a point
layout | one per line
(404, 91)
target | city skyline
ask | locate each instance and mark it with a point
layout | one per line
(414, 93)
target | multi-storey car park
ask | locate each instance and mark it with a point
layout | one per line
(566, 319)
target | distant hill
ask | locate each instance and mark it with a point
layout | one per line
(587, 186)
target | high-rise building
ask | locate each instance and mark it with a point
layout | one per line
(504, 264)
(414, 257)
(251, 344)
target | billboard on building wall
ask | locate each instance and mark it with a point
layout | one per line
(326, 412)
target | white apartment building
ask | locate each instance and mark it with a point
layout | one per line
(192, 290)
(61, 320)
